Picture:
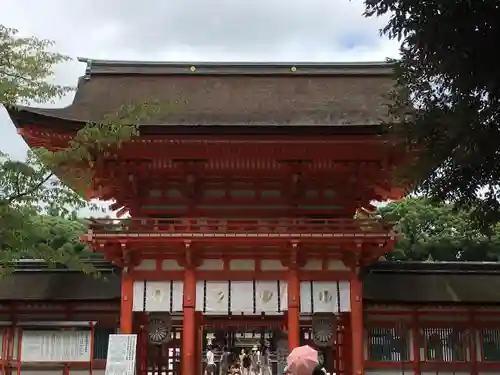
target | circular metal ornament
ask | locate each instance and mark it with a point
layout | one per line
(323, 330)
(159, 330)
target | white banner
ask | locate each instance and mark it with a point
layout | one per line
(345, 296)
(242, 297)
(158, 296)
(55, 346)
(268, 297)
(212, 297)
(325, 297)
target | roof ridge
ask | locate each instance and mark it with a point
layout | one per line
(39, 265)
(98, 66)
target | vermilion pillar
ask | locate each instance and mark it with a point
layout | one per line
(293, 309)
(188, 349)
(127, 299)
(357, 326)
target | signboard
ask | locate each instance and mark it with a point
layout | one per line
(55, 346)
(121, 355)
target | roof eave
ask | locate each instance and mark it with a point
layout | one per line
(416, 267)
(49, 119)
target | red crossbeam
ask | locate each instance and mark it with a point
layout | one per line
(238, 228)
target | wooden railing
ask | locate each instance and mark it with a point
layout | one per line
(210, 227)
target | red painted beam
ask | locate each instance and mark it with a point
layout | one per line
(242, 275)
(153, 240)
(282, 147)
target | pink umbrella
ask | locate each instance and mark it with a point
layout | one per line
(302, 360)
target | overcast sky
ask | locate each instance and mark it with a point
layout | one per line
(194, 30)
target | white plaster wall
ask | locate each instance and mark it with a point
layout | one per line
(336, 265)
(211, 265)
(313, 265)
(146, 265)
(271, 265)
(242, 265)
(171, 265)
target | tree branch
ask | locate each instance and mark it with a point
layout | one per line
(30, 191)
(15, 76)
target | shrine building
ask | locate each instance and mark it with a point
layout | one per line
(239, 229)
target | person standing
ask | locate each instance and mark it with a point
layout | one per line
(265, 361)
(210, 358)
(246, 362)
(255, 361)
(225, 360)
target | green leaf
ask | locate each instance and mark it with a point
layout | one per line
(440, 232)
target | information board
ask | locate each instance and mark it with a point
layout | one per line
(121, 355)
(55, 346)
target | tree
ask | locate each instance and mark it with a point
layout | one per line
(439, 232)
(29, 189)
(52, 238)
(449, 75)
(26, 67)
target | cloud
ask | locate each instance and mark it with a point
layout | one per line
(195, 30)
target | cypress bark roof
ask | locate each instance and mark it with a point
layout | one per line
(305, 94)
(432, 282)
(34, 281)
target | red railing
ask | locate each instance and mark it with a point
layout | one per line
(210, 227)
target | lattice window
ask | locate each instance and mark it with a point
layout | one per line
(4, 337)
(174, 360)
(490, 342)
(101, 342)
(388, 344)
(444, 344)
